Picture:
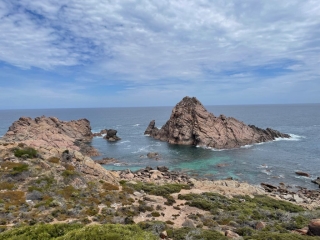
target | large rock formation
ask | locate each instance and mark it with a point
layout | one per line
(191, 124)
(50, 132)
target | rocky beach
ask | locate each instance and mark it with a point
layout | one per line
(48, 177)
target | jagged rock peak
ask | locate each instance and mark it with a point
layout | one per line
(191, 124)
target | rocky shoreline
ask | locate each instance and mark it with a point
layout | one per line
(162, 175)
(48, 177)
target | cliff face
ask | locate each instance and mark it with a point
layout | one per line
(50, 132)
(191, 124)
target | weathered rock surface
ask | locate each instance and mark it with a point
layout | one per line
(316, 181)
(304, 174)
(112, 135)
(191, 124)
(314, 227)
(104, 131)
(50, 132)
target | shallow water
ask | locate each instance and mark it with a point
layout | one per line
(271, 162)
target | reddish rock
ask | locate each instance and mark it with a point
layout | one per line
(230, 234)
(314, 227)
(260, 225)
(191, 124)
(51, 132)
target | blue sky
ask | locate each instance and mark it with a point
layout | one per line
(99, 53)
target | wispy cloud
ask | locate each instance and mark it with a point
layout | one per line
(230, 48)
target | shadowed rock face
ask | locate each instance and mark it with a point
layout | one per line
(191, 124)
(51, 132)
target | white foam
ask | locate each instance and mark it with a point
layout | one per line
(268, 172)
(126, 141)
(246, 146)
(120, 164)
(293, 137)
(136, 125)
(219, 150)
(263, 166)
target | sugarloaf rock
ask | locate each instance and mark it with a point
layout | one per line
(191, 124)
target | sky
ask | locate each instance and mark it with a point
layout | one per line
(129, 53)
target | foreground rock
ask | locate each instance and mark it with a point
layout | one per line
(191, 124)
(316, 181)
(50, 132)
(314, 227)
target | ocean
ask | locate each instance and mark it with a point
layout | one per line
(271, 162)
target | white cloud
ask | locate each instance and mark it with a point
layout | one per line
(157, 43)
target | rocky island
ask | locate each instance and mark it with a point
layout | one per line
(50, 188)
(191, 124)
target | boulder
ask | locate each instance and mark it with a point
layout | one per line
(316, 181)
(112, 135)
(153, 155)
(163, 234)
(163, 168)
(268, 187)
(304, 174)
(191, 124)
(260, 225)
(232, 235)
(34, 195)
(314, 227)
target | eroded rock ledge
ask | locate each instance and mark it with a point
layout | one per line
(50, 132)
(191, 124)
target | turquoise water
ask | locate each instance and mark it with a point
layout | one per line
(272, 162)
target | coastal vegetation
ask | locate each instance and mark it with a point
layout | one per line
(60, 193)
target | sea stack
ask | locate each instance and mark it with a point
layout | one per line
(191, 124)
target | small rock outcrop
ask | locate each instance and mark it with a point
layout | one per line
(304, 174)
(191, 124)
(50, 132)
(316, 181)
(112, 135)
(314, 227)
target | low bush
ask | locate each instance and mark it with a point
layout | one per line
(26, 152)
(14, 168)
(108, 186)
(13, 197)
(55, 160)
(6, 186)
(158, 190)
(69, 173)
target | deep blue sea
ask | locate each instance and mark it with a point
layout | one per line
(271, 162)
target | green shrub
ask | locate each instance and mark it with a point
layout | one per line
(196, 234)
(159, 190)
(39, 232)
(14, 168)
(27, 152)
(20, 169)
(69, 173)
(155, 214)
(264, 235)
